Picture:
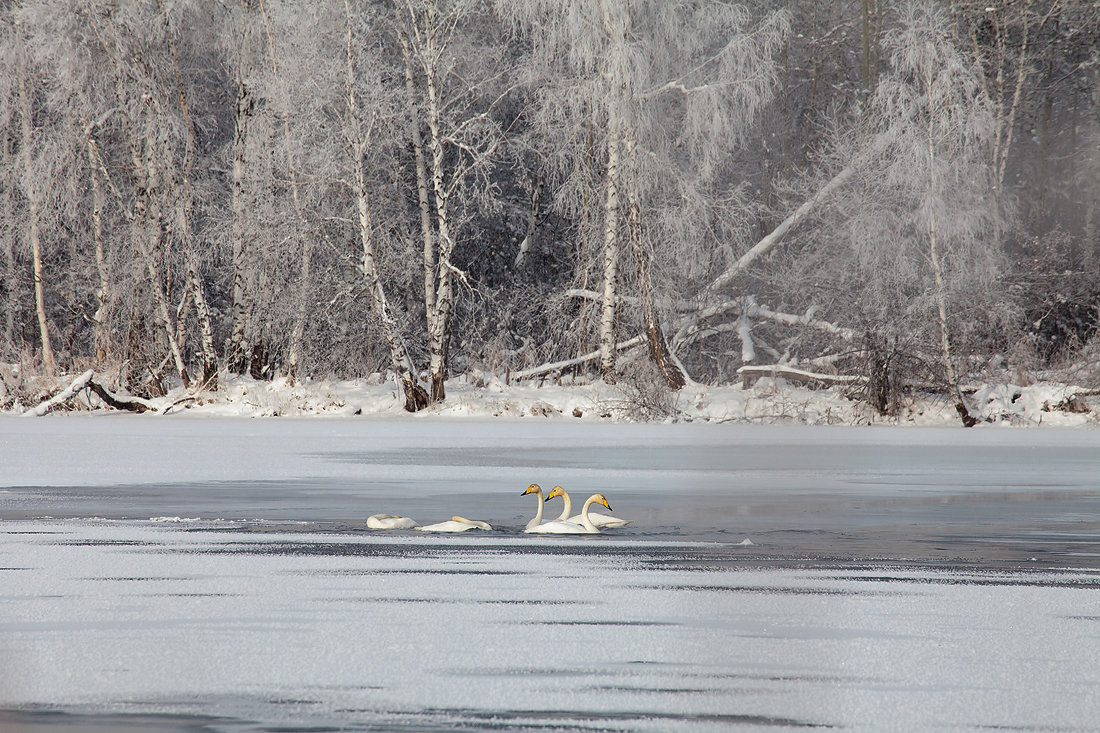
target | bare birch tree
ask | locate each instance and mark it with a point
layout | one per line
(359, 127)
(453, 86)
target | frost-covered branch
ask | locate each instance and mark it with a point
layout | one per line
(565, 364)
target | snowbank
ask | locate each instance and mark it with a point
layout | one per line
(484, 395)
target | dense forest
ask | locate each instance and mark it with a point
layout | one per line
(662, 191)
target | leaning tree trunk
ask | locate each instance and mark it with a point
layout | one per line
(655, 337)
(415, 396)
(48, 364)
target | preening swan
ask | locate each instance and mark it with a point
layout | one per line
(390, 521)
(560, 526)
(600, 520)
(455, 524)
(537, 491)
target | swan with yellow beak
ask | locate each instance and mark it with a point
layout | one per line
(560, 526)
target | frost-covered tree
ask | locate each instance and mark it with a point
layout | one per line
(642, 106)
(907, 249)
(454, 86)
(938, 123)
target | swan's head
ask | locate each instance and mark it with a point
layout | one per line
(556, 491)
(532, 489)
(601, 499)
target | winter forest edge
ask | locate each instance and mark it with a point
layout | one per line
(850, 211)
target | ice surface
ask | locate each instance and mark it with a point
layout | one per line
(934, 494)
(219, 573)
(337, 630)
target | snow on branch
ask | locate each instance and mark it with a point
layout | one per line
(61, 397)
(591, 356)
(86, 381)
(750, 374)
(693, 328)
(771, 240)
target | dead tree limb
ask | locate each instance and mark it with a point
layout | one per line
(590, 356)
(693, 328)
(61, 397)
(119, 402)
(750, 374)
(86, 381)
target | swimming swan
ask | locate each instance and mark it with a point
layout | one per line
(537, 491)
(455, 524)
(390, 521)
(560, 526)
(600, 520)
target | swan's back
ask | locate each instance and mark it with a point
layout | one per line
(390, 521)
(560, 526)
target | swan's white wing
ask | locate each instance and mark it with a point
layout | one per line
(558, 526)
(476, 523)
(603, 520)
(390, 521)
(452, 526)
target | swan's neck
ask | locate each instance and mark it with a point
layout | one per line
(568, 507)
(585, 521)
(538, 515)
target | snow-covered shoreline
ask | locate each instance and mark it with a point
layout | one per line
(767, 401)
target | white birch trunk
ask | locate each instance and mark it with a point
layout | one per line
(102, 291)
(421, 184)
(297, 332)
(9, 293)
(184, 218)
(238, 348)
(610, 260)
(532, 223)
(206, 329)
(439, 325)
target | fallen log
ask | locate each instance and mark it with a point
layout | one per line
(86, 381)
(119, 402)
(749, 374)
(591, 356)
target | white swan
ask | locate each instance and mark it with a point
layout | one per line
(537, 491)
(390, 521)
(455, 524)
(600, 520)
(560, 526)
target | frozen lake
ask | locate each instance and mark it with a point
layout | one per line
(180, 574)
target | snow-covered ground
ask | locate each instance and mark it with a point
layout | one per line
(767, 401)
